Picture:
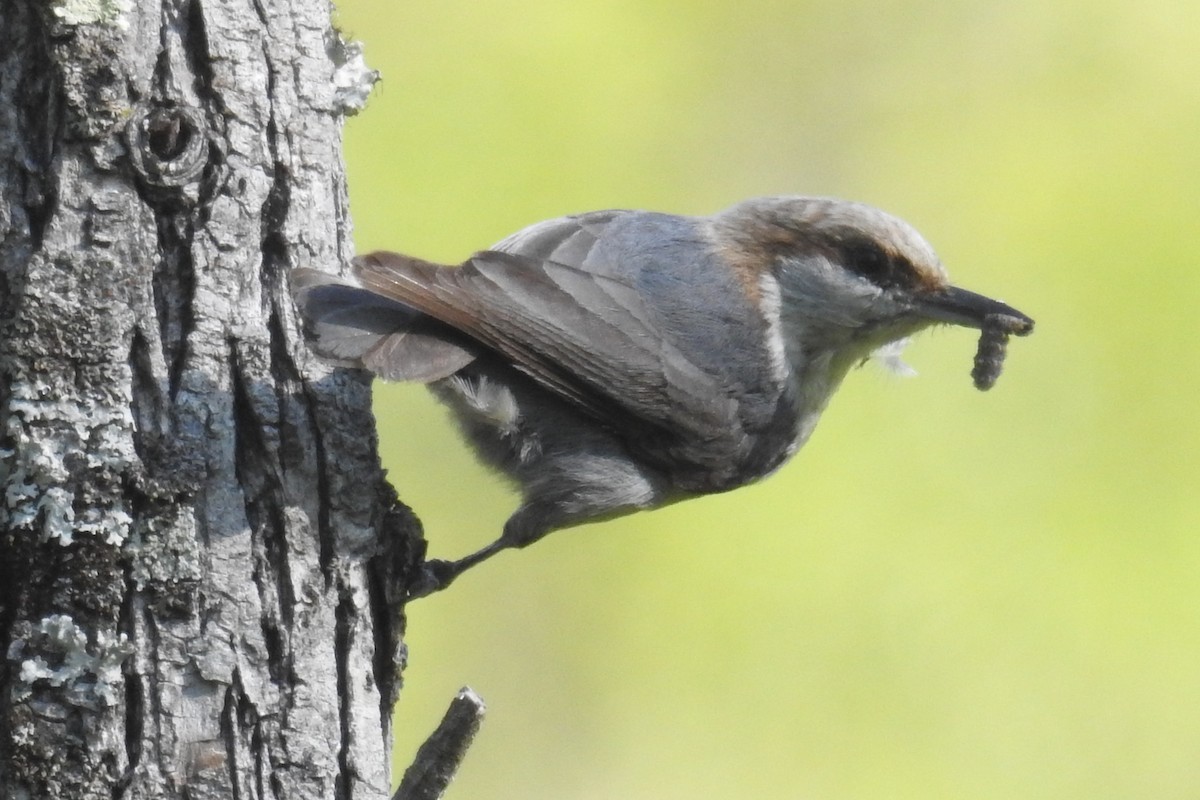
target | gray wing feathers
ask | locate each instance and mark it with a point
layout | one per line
(567, 240)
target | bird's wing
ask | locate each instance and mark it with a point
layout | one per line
(579, 329)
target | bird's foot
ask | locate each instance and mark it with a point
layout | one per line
(435, 575)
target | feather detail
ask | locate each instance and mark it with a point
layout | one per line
(889, 357)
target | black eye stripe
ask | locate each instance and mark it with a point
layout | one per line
(867, 258)
(851, 247)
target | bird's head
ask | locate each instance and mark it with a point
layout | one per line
(845, 279)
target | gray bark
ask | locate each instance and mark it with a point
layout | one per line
(201, 566)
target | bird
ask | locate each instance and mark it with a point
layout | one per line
(620, 360)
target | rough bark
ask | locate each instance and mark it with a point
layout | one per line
(201, 565)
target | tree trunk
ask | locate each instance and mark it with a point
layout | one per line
(203, 568)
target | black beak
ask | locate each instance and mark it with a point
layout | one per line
(960, 307)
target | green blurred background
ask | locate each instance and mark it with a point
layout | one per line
(947, 594)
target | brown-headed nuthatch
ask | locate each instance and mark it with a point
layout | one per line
(621, 360)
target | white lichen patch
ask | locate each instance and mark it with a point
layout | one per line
(352, 78)
(60, 446)
(110, 524)
(93, 12)
(91, 672)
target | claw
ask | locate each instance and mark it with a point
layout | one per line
(435, 575)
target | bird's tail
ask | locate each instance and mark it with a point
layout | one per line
(355, 327)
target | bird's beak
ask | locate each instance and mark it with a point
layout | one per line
(960, 307)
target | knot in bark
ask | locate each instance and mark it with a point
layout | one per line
(168, 146)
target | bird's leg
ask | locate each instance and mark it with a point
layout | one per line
(437, 574)
(555, 505)
(531, 522)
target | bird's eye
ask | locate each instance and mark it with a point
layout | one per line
(866, 258)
